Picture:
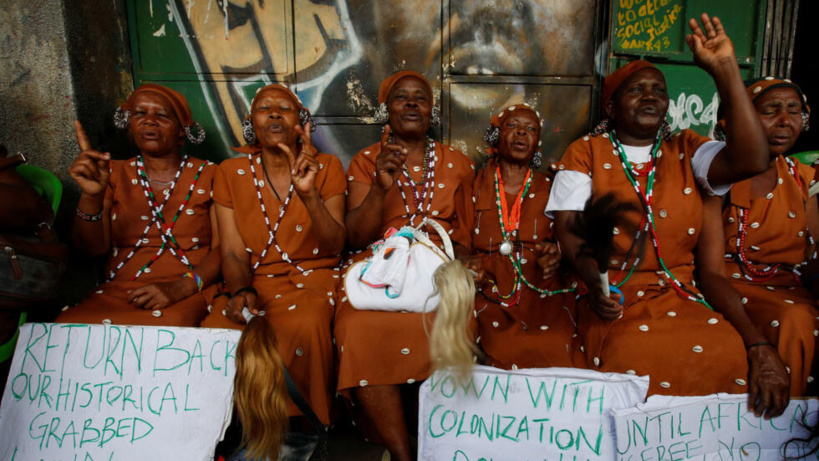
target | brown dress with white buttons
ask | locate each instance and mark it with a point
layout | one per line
(299, 305)
(685, 347)
(386, 348)
(776, 233)
(539, 330)
(133, 248)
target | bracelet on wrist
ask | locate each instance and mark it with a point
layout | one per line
(195, 278)
(247, 289)
(88, 217)
(761, 343)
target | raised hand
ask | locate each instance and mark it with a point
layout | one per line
(548, 258)
(390, 161)
(90, 169)
(712, 47)
(304, 167)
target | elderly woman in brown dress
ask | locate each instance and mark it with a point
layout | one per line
(151, 215)
(769, 222)
(525, 306)
(399, 181)
(280, 208)
(665, 326)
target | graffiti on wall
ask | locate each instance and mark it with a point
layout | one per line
(479, 57)
(644, 25)
(689, 111)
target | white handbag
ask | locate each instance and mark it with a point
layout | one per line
(399, 275)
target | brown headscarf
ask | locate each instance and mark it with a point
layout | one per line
(389, 82)
(616, 78)
(252, 148)
(497, 121)
(179, 104)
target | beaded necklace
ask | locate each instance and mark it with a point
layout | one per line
(271, 230)
(165, 230)
(418, 198)
(646, 198)
(510, 222)
(747, 268)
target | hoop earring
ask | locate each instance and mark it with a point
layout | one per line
(200, 135)
(435, 116)
(536, 161)
(492, 135)
(381, 114)
(305, 118)
(248, 132)
(121, 118)
(602, 127)
(666, 129)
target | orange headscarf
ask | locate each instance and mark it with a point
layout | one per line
(252, 148)
(389, 82)
(497, 121)
(616, 78)
(178, 102)
(758, 87)
(276, 86)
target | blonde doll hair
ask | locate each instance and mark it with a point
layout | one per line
(450, 342)
(259, 391)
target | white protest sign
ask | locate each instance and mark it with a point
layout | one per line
(535, 414)
(715, 427)
(97, 392)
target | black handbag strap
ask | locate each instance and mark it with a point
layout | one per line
(298, 399)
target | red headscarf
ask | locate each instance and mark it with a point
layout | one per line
(389, 82)
(178, 102)
(616, 78)
(497, 121)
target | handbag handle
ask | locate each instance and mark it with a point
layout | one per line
(420, 236)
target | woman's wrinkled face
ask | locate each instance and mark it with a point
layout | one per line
(519, 136)
(275, 115)
(780, 111)
(639, 105)
(410, 106)
(154, 126)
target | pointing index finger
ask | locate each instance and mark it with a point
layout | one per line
(385, 135)
(82, 138)
(305, 135)
(290, 157)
